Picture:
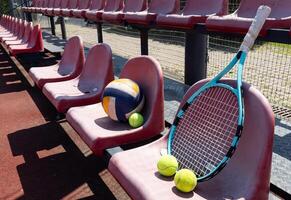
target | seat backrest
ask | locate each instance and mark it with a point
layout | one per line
(22, 29)
(51, 3)
(73, 58)
(251, 162)
(46, 4)
(57, 4)
(34, 3)
(35, 39)
(147, 73)
(113, 5)
(282, 9)
(73, 4)
(98, 69)
(97, 4)
(28, 30)
(164, 6)
(84, 4)
(135, 5)
(40, 3)
(64, 4)
(19, 24)
(15, 25)
(248, 8)
(206, 7)
(12, 24)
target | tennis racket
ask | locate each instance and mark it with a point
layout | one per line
(206, 131)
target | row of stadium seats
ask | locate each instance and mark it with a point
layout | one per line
(20, 36)
(74, 86)
(75, 82)
(132, 11)
(166, 13)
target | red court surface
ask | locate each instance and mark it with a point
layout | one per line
(41, 158)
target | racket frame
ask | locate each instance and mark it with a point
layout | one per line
(239, 58)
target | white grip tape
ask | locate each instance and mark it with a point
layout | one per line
(262, 13)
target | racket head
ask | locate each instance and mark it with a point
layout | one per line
(206, 130)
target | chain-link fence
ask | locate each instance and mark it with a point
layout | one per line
(267, 66)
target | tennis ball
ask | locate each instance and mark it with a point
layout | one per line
(135, 120)
(167, 165)
(185, 180)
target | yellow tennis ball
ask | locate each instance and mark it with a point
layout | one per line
(185, 180)
(167, 165)
(135, 120)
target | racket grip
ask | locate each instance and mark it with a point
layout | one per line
(262, 14)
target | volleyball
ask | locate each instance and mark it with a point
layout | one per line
(121, 98)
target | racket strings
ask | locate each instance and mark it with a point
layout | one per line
(204, 134)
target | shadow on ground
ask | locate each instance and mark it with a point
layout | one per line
(54, 166)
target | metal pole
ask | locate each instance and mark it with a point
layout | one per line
(99, 32)
(144, 35)
(63, 28)
(53, 26)
(195, 57)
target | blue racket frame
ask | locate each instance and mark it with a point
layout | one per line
(240, 57)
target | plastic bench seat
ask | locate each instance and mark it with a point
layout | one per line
(24, 39)
(45, 6)
(195, 11)
(130, 6)
(69, 67)
(11, 30)
(63, 5)
(136, 169)
(19, 33)
(155, 7)
(31, 9)
(82, 8)
(50, 11)
(110, 5)
(34, 44)
(95, 6)
(86, 88)
(241, 19)
(50, 6)
(68, 12)
(100, 132)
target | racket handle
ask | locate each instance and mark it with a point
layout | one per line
(262, 14)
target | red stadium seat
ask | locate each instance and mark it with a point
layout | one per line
(19, 34)
(68, 12)
(34, 5)
(11, 30)
(49, 11)
(241, 19)
(82, 8)
(155, 7)
(43, 6)
(110, 5)
(86, 88)
(68, 68)
(130, 6)
(8, 26)
(34, 44)
(50, 5)
(100, 132)
(246, 176)
(15, 33)
(25, 38)
(195, 11)
(64, 4)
